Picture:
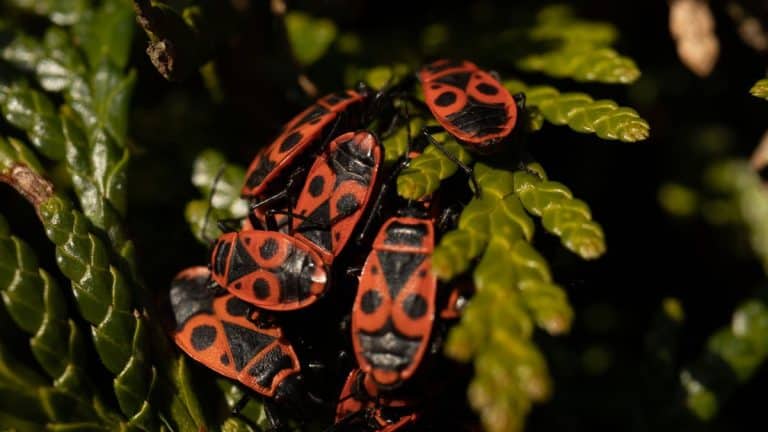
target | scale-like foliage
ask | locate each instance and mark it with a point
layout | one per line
(583, 114)
(579, 49)
(33, 112)
(514, 292)
(425, 172)
(91, 130)
(69, 94)
(103, 293)
(38, 306)
(560, 213)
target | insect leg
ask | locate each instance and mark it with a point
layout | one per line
(452, 157)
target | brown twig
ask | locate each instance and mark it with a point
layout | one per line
(32, 186)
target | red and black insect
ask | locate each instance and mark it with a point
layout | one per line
(277, 271)
(361, 407)
(469, 103)
(311, 126)
(337, 191)
(218, 330)
(394, 310)
(269, 269)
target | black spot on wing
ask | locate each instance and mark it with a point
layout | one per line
(263, 168)
(260, 288)
(370, 302)
(290, 141)
(446, 98)
(487, 89)
(316, 185)
(347, 204)
(244, 343)
(269, 248)
(415, 306)
(203, 337)
(314, 114)
(237, 307)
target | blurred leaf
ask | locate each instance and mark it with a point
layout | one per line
(583, 114)
(211, 170)
(14, 151)
(747, 197)
(678, 199)
(61, 12)
(760, 89)
(106, 33)
(580, 49)
(310, 37)
(733, 355)
(32, 112)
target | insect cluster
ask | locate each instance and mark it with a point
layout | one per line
(323, 299)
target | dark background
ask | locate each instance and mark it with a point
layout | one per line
(604, 372)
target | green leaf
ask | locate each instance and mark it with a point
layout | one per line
(741, 348)
(98, 175)
(396, 144)
(38, 306)
(107, 33)
(61, 12)
(581, 49)
(310, 37)
(760, 89)
(514, 289)
(32, 112)
(746, 195)
(583, 114)
(211, 168)
(425, 172)
(103, 295)
(13, 152)
(601, 65)
(561, 214)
